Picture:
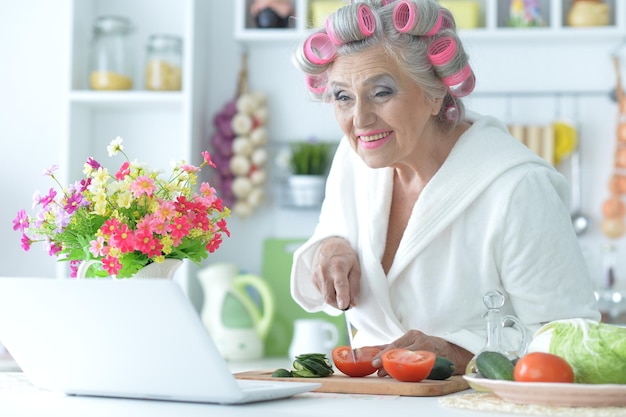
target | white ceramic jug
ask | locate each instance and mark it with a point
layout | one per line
(313, 336)
(238, 324)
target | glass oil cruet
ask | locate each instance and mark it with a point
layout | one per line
(495, 322)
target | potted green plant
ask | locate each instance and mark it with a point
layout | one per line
(309, 165)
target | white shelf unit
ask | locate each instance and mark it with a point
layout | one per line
(156, 126)
(493, 23)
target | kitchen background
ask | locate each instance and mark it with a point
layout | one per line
(48, 115)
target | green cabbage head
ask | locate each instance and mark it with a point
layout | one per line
(595, 351)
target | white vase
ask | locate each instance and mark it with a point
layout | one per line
(165, 269)
(307, 190)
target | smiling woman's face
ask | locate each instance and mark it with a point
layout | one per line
(382, 111)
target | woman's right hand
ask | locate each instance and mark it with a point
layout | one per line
(337, 272)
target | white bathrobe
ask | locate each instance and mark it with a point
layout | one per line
(495, 216)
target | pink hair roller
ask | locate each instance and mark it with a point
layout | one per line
(404, 16)
(316, 83)
(442, 50)
(437, 25)
(386, 2)
(330, 32)
(367, 23)
(318, 49)
(461, 83)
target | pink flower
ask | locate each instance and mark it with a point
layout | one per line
(215, 243)
(93, 163)
(111, 264)
(45, 200)
(222, 225)
(166, 210)
(178, 229)
(146, 243)
(189, 168)
(26, 242)
(54, 248)
(123, 239)
(84, 184)
(110, 226)
(74, 264)
(207, 158)
(21, 221)
(97, 246)
(123, 172)
(50, 171)
(199, 221)
(73, 202)
(142, 185)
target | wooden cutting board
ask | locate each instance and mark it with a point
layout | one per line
(371, 384)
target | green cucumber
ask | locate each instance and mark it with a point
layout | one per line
(443, 369)
(312, 365)
(282, 373)
(494, 365)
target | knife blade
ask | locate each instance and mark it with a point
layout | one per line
(350, 336)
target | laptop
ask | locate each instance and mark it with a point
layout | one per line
(133, 338)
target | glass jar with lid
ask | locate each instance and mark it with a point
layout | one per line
(164, 63)
(110, 63)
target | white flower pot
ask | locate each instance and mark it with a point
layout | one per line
(307, 190)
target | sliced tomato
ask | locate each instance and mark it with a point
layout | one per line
(342, 358)
(542, 367)
(408, 365)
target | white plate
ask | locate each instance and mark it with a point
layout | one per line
(558, 394)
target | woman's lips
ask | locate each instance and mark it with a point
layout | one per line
(374, 140)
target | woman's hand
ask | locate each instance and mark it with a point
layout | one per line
(337, 272)
(416, 340)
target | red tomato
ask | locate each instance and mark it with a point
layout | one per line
(542, 367)
(407, 365)
(363, 365)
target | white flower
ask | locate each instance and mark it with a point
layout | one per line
(115, 146)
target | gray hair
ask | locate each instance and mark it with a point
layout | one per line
(409, 50)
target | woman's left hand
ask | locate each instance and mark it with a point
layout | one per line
(416, 340)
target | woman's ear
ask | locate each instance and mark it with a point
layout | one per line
(436, 106)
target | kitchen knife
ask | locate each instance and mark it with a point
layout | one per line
(350, 335)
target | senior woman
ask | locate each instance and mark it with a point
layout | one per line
(428, 207)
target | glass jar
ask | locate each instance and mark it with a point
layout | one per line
(494, 325)
(164, 63)
(110, 66)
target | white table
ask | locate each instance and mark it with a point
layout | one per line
(22, 399)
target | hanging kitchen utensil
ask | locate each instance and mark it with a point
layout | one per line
(580, 220)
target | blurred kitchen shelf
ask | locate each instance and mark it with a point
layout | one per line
(156, 125)
(127, 99)
(492, 24)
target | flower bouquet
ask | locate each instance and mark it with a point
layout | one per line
(126, 220)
